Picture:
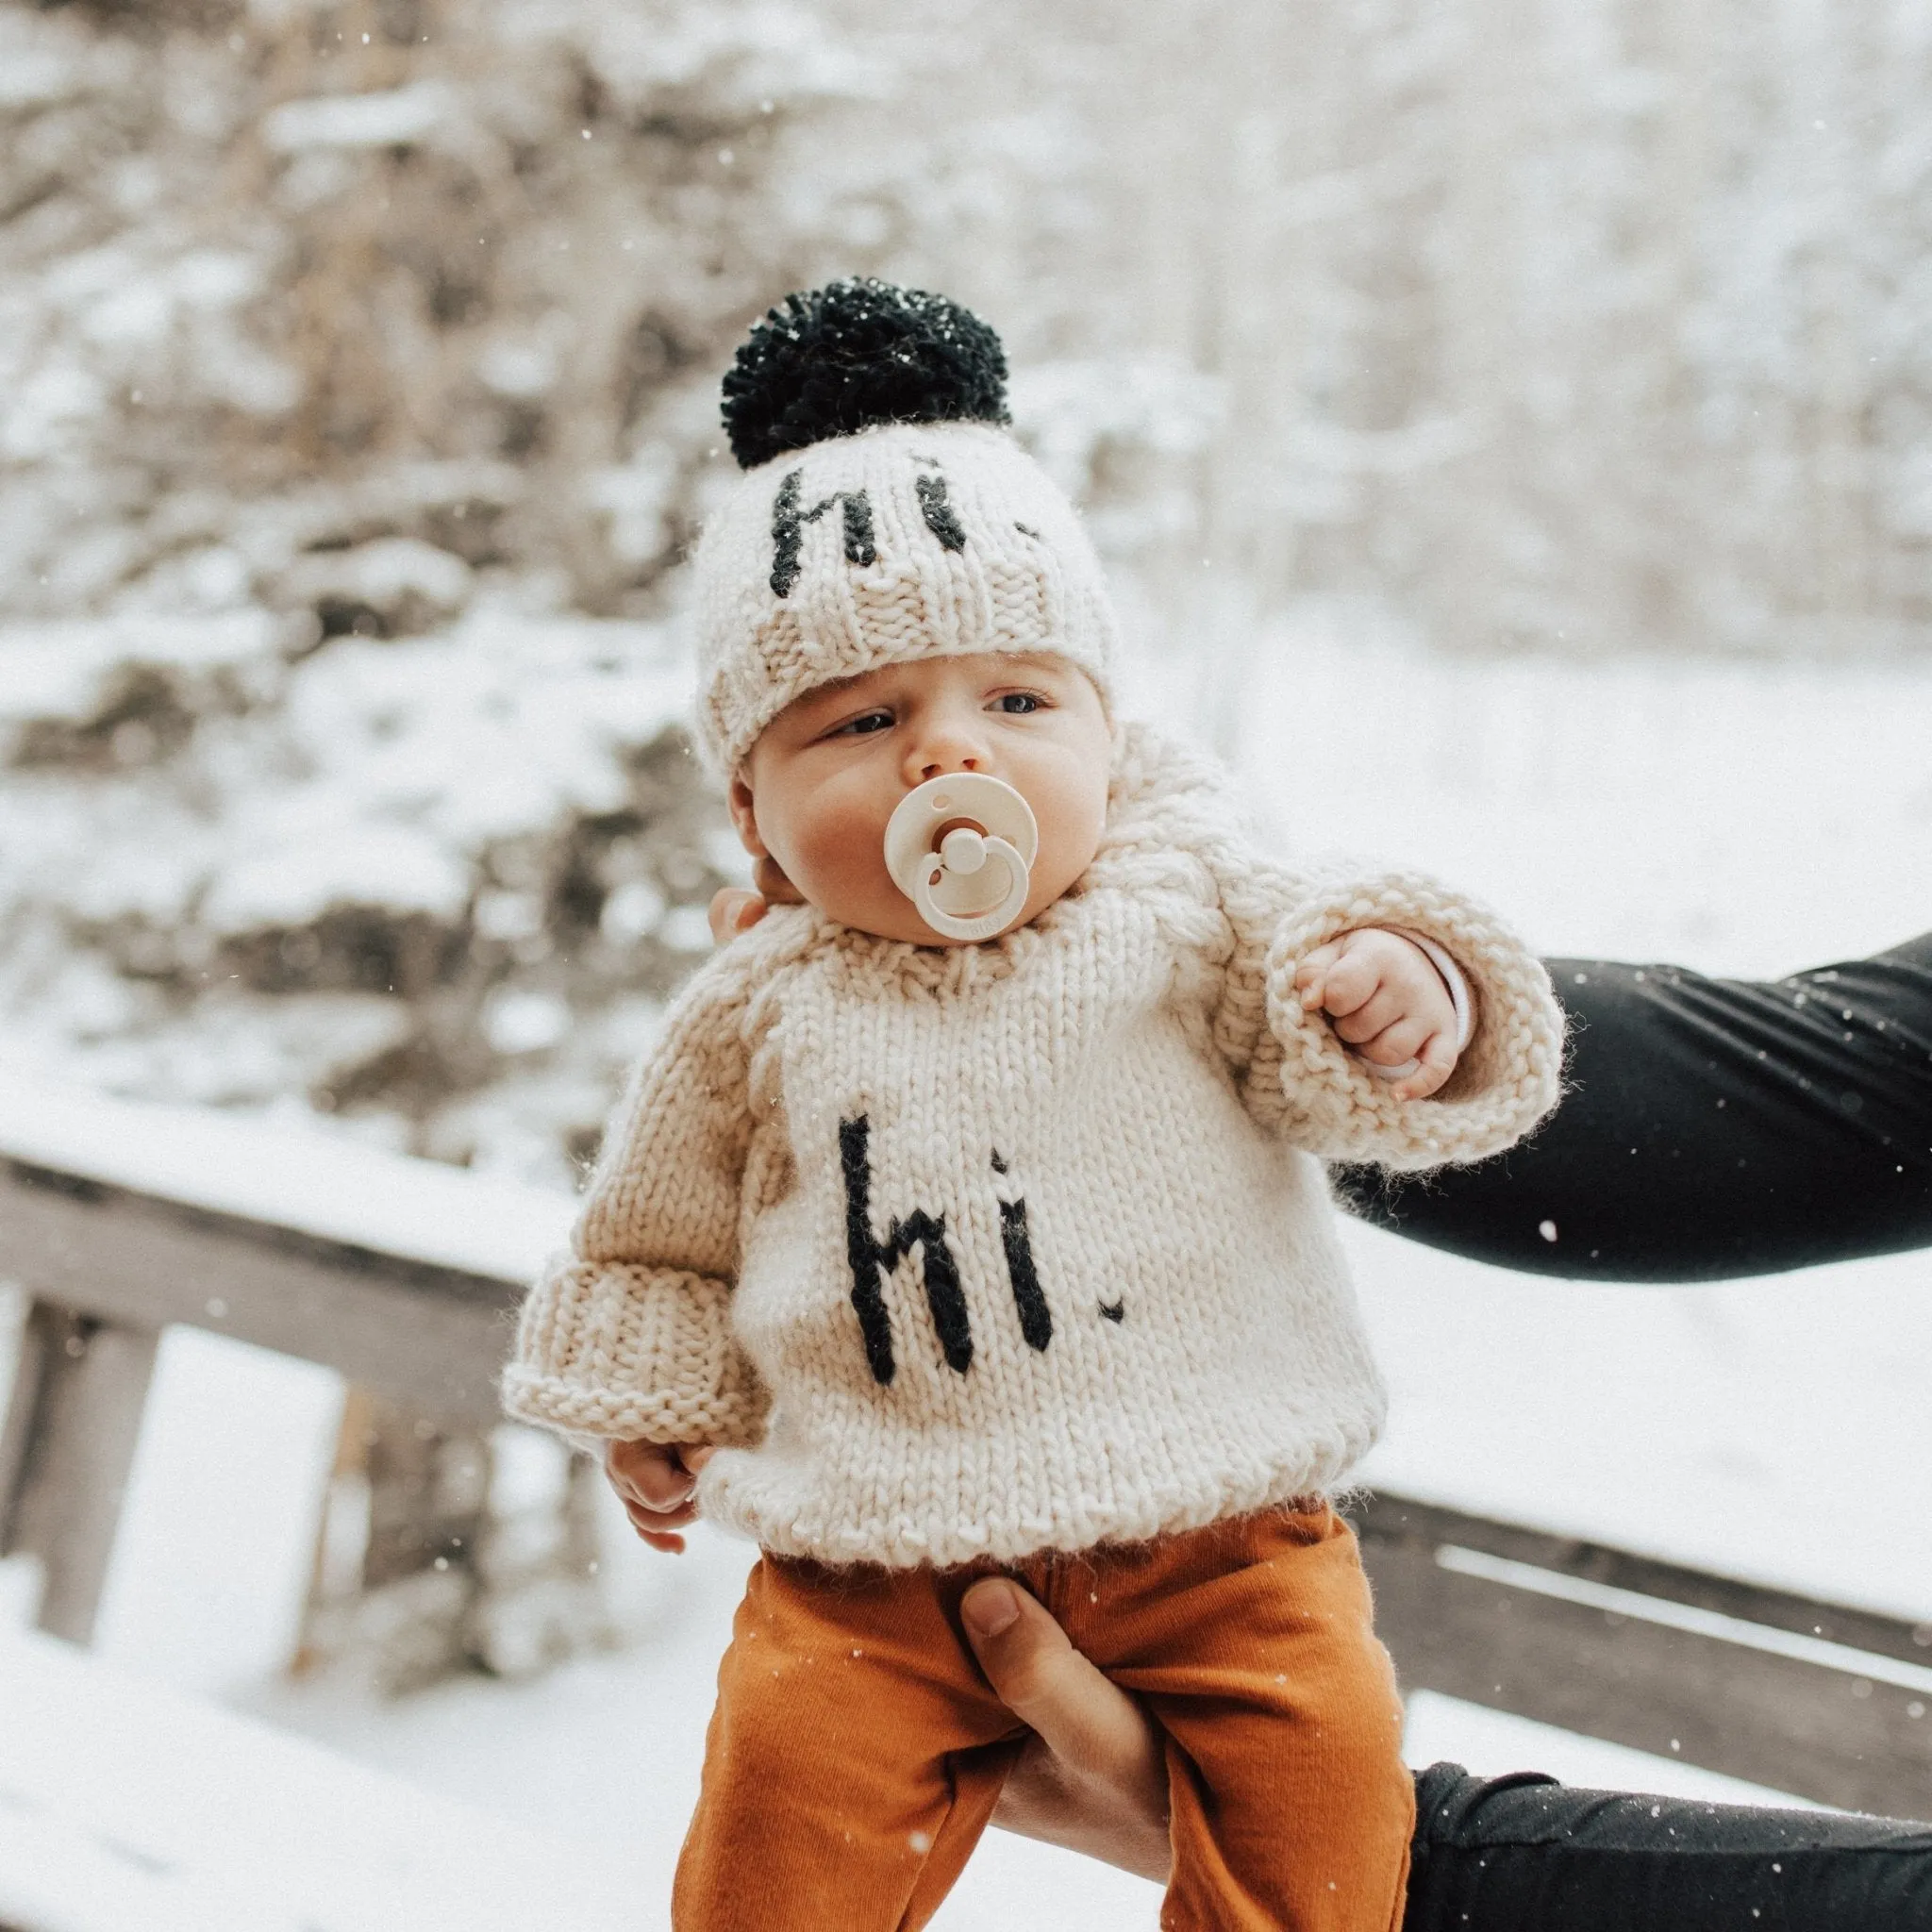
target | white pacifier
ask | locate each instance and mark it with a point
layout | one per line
(961, 848)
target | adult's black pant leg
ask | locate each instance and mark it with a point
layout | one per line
(1525, 1854)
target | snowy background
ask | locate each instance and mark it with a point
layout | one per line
(1506, 421)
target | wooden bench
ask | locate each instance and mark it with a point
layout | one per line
(118, 1219)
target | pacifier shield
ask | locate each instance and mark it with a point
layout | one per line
(961, 848)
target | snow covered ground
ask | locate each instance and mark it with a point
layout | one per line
(1747, 818)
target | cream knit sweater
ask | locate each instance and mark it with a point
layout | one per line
(975, 1252)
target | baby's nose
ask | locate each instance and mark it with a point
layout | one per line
(939, 767)
(944, 749)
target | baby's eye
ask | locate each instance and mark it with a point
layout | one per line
(1019, 702)
(862, 726)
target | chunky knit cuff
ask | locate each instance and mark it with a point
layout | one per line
(1507, 1079)
(632, 1353)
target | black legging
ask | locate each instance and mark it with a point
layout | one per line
(1712, 1129)
(1524, 1853)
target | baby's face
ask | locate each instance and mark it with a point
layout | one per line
(815, 791)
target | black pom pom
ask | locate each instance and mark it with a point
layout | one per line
(840, 358)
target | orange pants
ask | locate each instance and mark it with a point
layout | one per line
(856, 1752)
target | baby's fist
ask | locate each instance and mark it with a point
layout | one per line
(1383, 995)
(657, 1483)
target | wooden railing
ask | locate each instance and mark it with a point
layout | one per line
(118, 1221)
(1817, 1699)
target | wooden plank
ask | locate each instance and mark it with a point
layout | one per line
(243, 1167)
(420, 1334)
(108, 1266)
(1834, 1735)
(1395, 1517)
(72, 1420)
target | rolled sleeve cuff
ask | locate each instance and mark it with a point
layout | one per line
(1508, 1078)
(630, 1354)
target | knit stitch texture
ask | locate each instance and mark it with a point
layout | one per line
(911, 541)
(979, 1251)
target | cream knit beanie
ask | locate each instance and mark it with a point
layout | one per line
(885, 514)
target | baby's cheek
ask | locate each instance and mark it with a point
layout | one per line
(1072, 824)
(846, 861)
(831, 842)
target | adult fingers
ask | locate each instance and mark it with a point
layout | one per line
(1098, 1736)
(734, 910)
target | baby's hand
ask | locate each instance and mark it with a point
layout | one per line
(655, 1482)
(1385, 998)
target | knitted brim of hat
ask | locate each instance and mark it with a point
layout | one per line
(914, 541)
(886, 514)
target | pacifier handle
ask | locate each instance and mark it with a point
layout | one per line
(985, 925)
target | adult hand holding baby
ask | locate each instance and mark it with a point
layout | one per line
(738, 909)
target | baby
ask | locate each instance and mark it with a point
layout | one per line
(969, 1216)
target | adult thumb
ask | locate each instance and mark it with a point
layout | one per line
(733, 911)
(1091, 1725)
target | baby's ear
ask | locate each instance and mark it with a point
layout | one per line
(737, 800)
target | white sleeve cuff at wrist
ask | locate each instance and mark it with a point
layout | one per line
(1459, 998)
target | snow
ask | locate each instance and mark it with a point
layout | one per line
(293, 875)
(241, 1438)
(1711, 1426)
(1493, 1744)
(487, 730)
(58, 669)
(127, 1805)
(1743, 817)
(323, 894)
(607, 1750)
(313, 1182)
(397, 118)
(384, 572)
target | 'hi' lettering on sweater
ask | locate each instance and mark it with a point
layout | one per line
(980, 1251)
